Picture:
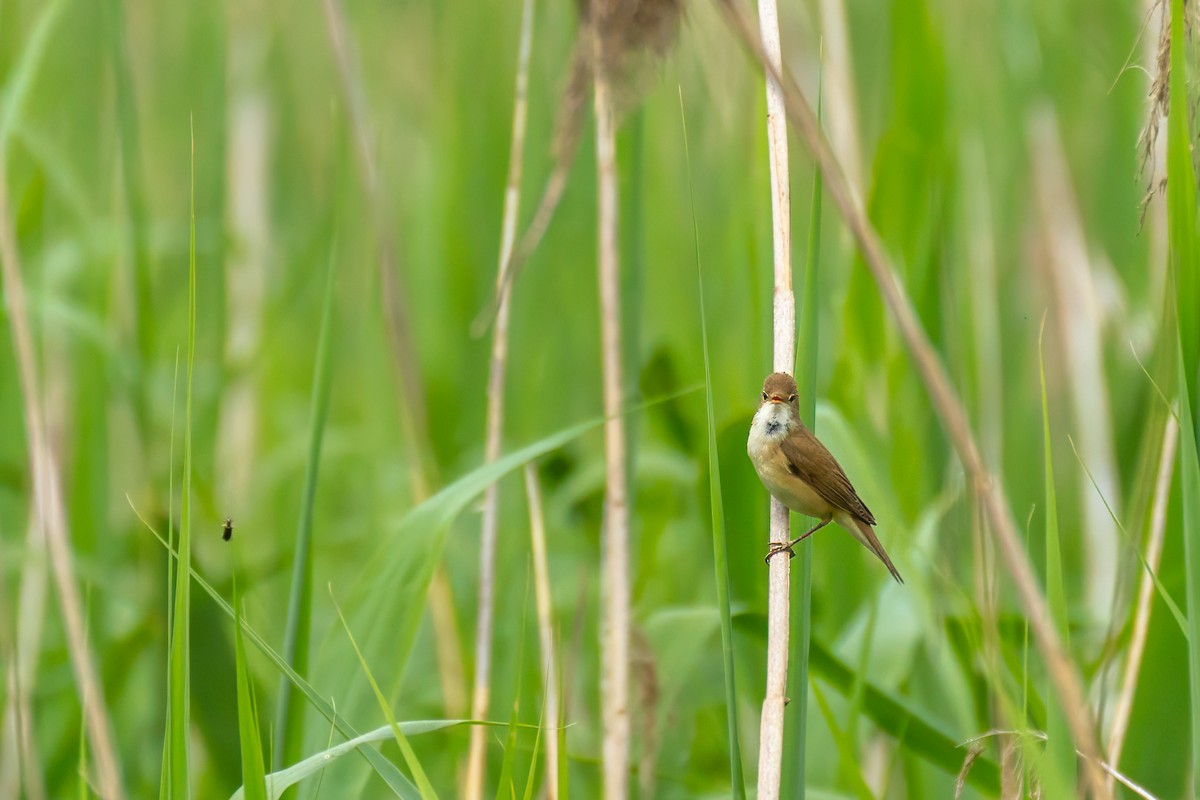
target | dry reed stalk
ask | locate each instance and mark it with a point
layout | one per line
(946, 404)
(770, 754)
(481, 691)
(545, 619)
(614, 635)
(48, 508)
(413, 418)
(1145, 601)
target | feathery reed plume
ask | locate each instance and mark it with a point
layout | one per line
(481, 689)
(636, 32)
(946, 403)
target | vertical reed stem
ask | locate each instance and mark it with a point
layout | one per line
(614, 636)
(481, 690)
(770, 755)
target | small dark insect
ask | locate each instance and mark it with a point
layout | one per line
(227, 534)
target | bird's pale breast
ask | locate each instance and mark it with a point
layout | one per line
(772, 466)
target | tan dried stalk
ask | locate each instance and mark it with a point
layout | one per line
(413, 419)
(48, 508)
(770, 753)
(481, 691)
(541, 589)
(614, 634)
(946, 404)
(1145, 601)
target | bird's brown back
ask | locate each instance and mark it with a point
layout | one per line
(810, 461)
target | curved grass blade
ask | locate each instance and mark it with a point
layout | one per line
(1058, 767)
(253, 768)
(281, 780)
(410, 757)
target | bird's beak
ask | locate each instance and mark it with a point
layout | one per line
(777, 399)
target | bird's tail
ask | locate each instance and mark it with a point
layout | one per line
(862, 531)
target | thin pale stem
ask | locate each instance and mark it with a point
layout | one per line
(1145, 601)
(946, 404)
(770, 755)
(481, 694)
(545, 619)
(614, 678)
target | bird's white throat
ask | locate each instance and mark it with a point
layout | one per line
(772, 423)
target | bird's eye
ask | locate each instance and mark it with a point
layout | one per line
(792, 398)
(764, 394)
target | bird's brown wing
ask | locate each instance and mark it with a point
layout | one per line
(812, 463)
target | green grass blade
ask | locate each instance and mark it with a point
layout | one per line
(504, 787)
(1183, 247)
(1058, 765)
(720, 547)
(795, 732)
(289, 727)
(163, 786)
(847, 753)
(1190, 489)
(530, 779)
(410, 758)
(135, 225)
(253, 769)
(179, 672)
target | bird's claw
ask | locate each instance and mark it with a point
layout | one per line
(777, 548)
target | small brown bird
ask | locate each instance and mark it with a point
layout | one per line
(800, 473)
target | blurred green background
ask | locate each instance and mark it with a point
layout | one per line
(996, 148)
